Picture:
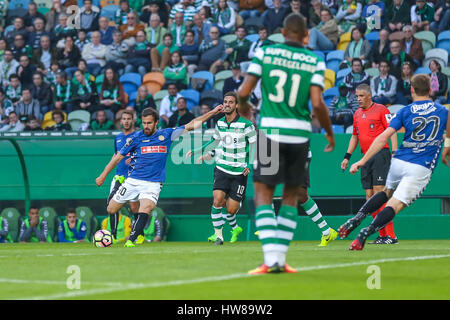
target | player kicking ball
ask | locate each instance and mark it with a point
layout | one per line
(413, 163)
(149, 149)
(234, 137)
(127, 122)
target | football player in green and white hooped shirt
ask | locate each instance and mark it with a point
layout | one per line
(290, 76)
(234, 139)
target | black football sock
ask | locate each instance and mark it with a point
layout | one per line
(135, 218)
(114, 219)
(383, 218)
(373, 204)
(138, 226)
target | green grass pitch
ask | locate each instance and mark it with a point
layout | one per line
(194, 270)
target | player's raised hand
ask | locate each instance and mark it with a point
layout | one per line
(218, 109)
(355, 167)
(99, 181)
(331, 143)
(446, 156)
(188, 154)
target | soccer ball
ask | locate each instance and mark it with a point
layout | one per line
(103, 238)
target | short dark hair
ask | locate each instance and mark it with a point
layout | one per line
(168, 35)
(421, 84)
(58, 112)
(295, 23)
(32, 207)
(150, 112)
(357, 60)
(242, 27)
(71, 210)
(231, 94)
(26, 89)
(182, 98)
(13, 76)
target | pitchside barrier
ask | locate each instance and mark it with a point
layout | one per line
(47, 167)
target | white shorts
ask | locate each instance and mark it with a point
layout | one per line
(407, 179)
(134, 190)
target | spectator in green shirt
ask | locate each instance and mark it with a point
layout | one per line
(160, 55)
(422, 14)
(101, 122)
(176, 72)
(238, 49)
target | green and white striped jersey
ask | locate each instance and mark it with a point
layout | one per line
(234, 140)
(287, 71)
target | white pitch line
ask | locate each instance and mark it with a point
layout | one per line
(53, 282)
(76, 293)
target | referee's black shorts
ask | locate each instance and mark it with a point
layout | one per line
(282, 163)
(375, 171)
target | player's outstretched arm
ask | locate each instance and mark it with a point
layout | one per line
(375, 147)
(321, 112)
(109, 167)
(446, 151)
(245, 107)
(197, 122)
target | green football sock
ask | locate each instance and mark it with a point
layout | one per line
(217, 220)
(312, 210)
(266, 224)
(287, 223)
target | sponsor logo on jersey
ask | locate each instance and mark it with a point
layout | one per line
(388, 117)
(161, 138)
(154, 149)
(423, 108)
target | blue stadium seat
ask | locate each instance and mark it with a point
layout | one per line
(443, 40)
(341, 74)
(319, 53)
(329, 94)
(425, 70)
(252, 37)
(94, 3)
(211, 97)
(334, 59)
(132, 98)
(373, 36)
(14, 4)
(192, 97)
(109, 11)
(131, 82)
(444, 36)
(205, 75)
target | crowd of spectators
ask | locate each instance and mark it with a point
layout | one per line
(49, 67)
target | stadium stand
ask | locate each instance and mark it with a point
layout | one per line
(428, 39)
(192, 97)
(49, 214)
(154, 81)
(14, 221)
(86, 214)
(435, 46)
